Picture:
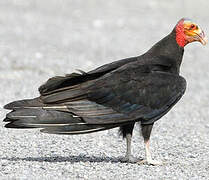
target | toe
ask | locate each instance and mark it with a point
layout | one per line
(130, 159)
(154, 162)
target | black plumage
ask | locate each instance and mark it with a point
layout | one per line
(138, 89)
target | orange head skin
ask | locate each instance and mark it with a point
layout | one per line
(188, 31)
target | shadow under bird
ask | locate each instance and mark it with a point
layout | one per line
(137, 89)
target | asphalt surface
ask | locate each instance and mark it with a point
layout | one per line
(40, 39)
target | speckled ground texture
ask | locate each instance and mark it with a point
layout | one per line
(40, 39)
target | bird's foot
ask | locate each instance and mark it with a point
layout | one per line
(151, 162)
(130, 159)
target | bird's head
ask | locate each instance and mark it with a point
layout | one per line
(187, 31)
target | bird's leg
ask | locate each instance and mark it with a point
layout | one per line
(146, 131)
(129, 157)
(128, 143)
(147, 150)
(149, 159)
(127, 133)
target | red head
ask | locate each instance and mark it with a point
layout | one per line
(187, 32)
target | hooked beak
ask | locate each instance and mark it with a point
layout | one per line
(195, 35)
(202, 38)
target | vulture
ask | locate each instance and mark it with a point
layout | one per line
(119, 94)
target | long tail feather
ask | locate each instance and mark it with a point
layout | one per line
(56, 119)
(24, 103)
(74, 117)
(39, 118)
(32, 113)
(77, 129)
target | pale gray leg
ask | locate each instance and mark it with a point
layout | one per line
(146, 131)
(128, 157)
(149, 159)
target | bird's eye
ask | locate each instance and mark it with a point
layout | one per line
(192, 26)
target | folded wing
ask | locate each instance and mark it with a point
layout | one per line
(118, 97)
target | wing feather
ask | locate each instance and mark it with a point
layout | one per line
(127, 94)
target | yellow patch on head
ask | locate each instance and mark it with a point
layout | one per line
(191, 28)
(193, 32)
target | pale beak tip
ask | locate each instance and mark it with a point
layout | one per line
(203, 38)
(204, 41)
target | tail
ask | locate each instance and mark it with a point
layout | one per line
(53, 119)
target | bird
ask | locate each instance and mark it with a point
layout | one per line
(139, 89)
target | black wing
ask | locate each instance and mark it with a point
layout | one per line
(132, 92)
(129, 93)
(60, 82)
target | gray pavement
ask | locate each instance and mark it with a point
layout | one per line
(40, 39)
